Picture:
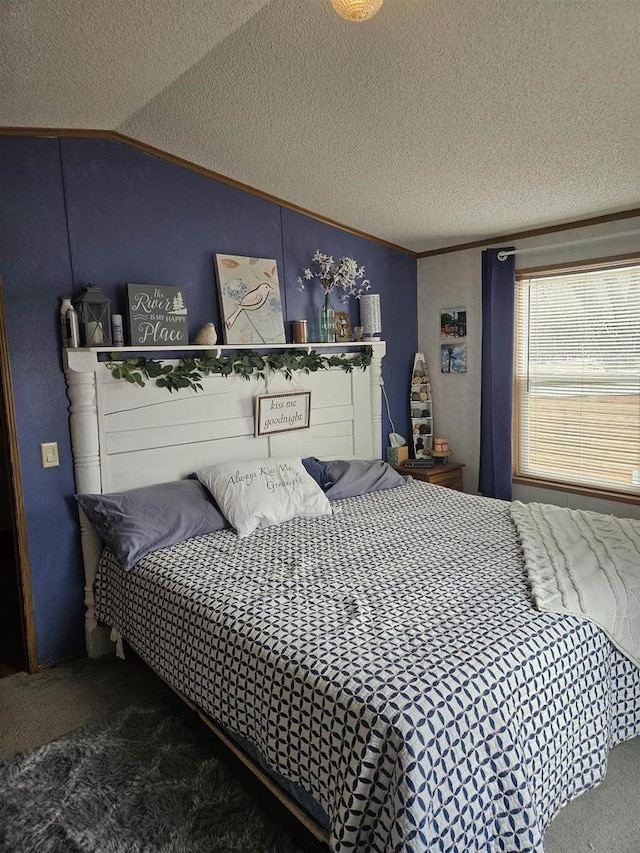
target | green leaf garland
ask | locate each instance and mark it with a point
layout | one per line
(189, 371)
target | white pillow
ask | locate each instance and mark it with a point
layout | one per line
(262, 492)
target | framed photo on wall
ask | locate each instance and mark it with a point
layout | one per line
(250, 300)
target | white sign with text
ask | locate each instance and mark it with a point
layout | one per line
(282, 412)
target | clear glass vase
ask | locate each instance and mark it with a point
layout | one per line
(327, 317)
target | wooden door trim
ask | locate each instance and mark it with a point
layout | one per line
(16, 497)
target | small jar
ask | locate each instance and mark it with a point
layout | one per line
(299, 331)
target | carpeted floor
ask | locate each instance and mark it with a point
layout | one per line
(173, 805)
(36, 709)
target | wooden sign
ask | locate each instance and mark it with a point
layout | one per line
(157, 315)
(282, 412)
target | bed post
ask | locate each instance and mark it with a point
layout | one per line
(80, 375)
(378, 351)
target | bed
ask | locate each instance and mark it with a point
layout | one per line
(385, 659)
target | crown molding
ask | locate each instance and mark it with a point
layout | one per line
(533, 232)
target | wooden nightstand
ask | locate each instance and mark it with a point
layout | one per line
(448, 475)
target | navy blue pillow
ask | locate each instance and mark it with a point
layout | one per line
(135, 523)
(319, 471)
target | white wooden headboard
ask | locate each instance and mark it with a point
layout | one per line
(124, 436)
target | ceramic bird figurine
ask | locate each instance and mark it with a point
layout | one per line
(207, 336)
(251, 301)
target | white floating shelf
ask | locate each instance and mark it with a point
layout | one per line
(378, 347)
(228, 348)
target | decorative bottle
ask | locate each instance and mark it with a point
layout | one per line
(64, 307)
(327, 316)
(117, 330)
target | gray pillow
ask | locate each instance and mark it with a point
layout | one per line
(358, 477)
(135, 523)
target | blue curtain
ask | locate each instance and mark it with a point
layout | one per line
(498, 297)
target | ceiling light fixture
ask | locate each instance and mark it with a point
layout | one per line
(356, 10)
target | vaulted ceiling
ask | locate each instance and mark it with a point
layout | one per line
(436, 123)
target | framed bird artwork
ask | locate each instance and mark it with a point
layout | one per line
(250, 300)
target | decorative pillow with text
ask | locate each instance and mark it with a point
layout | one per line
(262, 492)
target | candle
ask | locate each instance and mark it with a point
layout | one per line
(95, 337)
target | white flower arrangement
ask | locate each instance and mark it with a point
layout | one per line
(344, 275)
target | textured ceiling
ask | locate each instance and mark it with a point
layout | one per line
(92, 63)
(437, 122)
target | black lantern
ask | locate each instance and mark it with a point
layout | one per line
(94, 317)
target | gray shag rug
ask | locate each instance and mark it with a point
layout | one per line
(141, 782)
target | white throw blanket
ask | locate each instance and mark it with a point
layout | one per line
(584, 564)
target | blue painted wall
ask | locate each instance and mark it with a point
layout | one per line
(74, 211)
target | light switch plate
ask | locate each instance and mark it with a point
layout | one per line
(49, 451)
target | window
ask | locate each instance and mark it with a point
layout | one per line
(577, 408)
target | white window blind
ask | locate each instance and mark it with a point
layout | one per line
(577, 413)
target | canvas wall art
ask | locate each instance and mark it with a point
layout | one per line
(453, 358)
(250, 300)
(453, 322)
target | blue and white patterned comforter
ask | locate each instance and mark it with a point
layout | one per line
(389, 660)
